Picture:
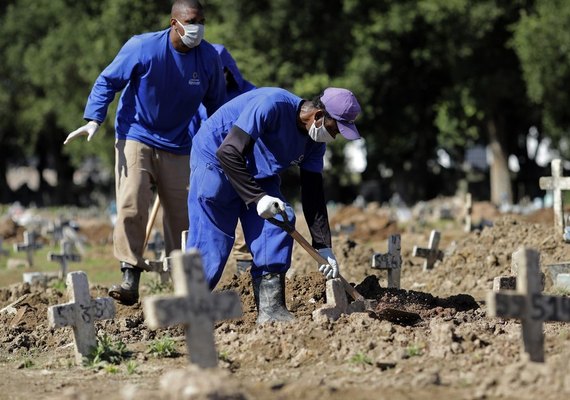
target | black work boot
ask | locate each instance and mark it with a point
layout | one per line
(269, 293)
(127, 292)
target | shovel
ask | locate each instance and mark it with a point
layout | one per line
(290, 229)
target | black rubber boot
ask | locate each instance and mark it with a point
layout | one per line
(243, 266)
(127, 292)
(269, 293)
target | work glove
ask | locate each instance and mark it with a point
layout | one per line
(88, 129)
(269, 206)
(329, 270)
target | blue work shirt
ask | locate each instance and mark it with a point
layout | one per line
(269, 116)
(162, 89)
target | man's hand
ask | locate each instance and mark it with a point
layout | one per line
(269, 206)
(331, 269)
(88, 130)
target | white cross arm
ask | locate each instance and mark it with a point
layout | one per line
(427, 253)
(162, 311)
(386, 261)
(539, 308)
(61, 315)
(548, 183)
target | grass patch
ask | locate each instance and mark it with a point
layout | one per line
(132, 367)
(155, 286)
(107, 352)
(414, 350)
(360, 359)
(162, 348)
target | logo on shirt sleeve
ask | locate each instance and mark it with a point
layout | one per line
(195, 80)
(299, 160)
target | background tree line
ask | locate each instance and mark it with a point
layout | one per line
(431, 75)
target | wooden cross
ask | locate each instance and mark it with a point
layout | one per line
(528, 305)
(55, 229)
(66, 256)
(431, 254)
(81, 313)
(29, 246)
(193, 306)
(391, 261)
(557, 183)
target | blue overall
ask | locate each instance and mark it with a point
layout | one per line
(269, 116)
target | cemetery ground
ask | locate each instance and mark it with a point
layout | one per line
(440, 343)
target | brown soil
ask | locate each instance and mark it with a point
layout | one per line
(430, 339)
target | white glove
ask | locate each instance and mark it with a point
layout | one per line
(269, 206)
(88, 129)
(329, 270)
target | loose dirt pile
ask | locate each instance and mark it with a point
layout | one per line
(447, 348)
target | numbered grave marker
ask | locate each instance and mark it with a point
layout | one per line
(193, 306)
(29, 245)
(528, 305)
(66, 256)
(431, 254)
(391, 261)
(81, 313)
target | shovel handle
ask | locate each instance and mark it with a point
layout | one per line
(321, 260)
(290, 229)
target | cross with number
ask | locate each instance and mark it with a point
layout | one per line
(557, 183)
(391, 261)
(29, 246)
(64, 257)
(528, 305)
(431, 254)
(194, 306)
(156, 245)
(81, 313)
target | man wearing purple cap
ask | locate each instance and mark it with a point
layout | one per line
(236, 159)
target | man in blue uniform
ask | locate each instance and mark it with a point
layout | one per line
(236, 159)
(164, 77)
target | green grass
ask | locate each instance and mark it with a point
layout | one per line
(414, 350)
(98, 263)
(106, 352)
(162, 348)
(360, 359)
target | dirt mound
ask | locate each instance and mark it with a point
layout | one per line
(430, 339)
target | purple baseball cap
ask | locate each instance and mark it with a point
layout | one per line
(343, 108)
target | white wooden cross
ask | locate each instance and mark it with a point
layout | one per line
(391, 261)
(194, 306)
(81, 313)
(66, 256)
(29, 245)
(528, 305)
(557, 183)
(431, 254)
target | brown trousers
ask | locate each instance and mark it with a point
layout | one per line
(138, 169)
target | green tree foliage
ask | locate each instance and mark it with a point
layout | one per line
(430, 74)
(542, 42)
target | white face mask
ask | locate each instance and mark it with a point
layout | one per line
(193, 34)
(320, 134)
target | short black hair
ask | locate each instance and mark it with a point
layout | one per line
(186, 3)
(317, 103)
